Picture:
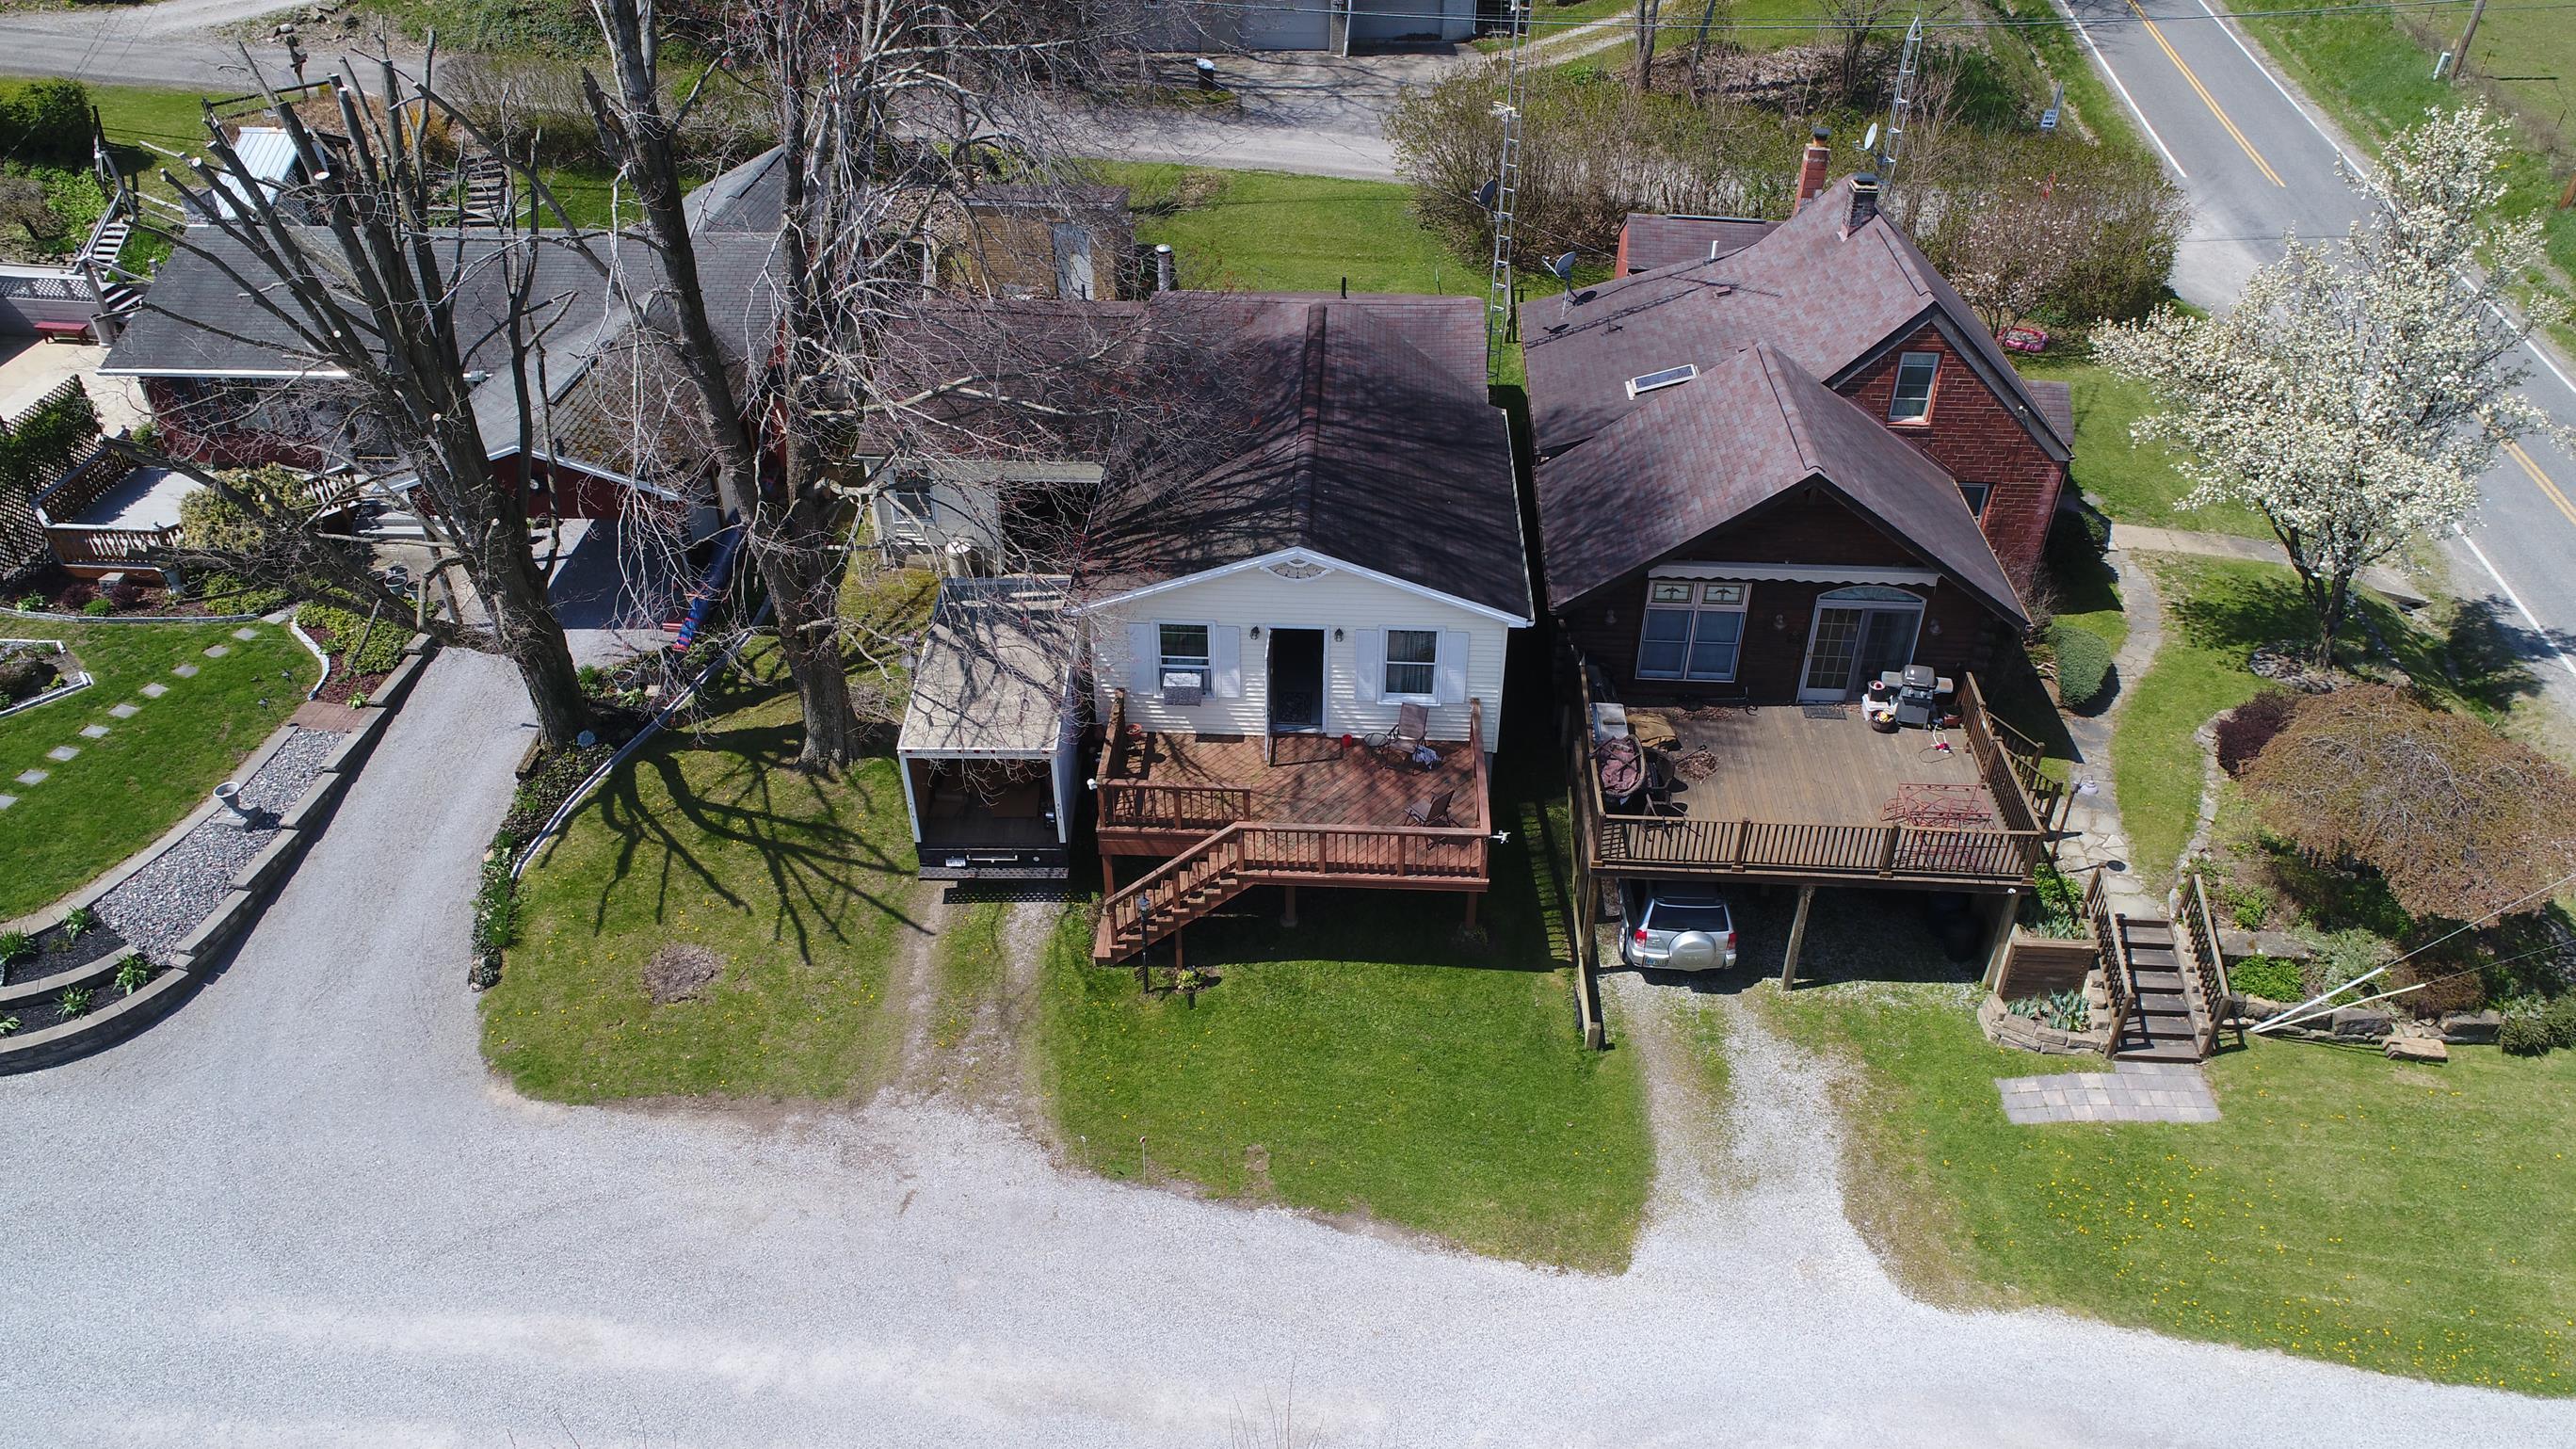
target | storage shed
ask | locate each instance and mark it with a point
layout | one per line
(989, 739)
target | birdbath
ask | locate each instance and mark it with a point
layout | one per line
(234, 814)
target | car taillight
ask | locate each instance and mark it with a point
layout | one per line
(1641, 933)
(1730, 940)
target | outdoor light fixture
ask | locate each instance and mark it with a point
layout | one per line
(1935, 626)
(1256, 631)
(1779, 623)
(1337, 636)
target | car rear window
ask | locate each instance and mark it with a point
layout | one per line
(1665, 916)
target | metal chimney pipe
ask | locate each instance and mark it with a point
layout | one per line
(1165, 279)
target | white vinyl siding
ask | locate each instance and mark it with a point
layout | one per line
(1468, 659)
(1412, 665)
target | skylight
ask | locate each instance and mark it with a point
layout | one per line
(1669, 377)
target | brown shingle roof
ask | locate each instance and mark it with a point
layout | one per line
(1826, 299)
(1655, 241)
(1749, 430)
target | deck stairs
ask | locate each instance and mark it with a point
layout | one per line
(2169, 1022)
(487, 190)
(119, 291)
(1180, 890)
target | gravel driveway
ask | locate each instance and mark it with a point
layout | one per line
(299, 1213)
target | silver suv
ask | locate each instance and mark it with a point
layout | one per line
(1678, 926)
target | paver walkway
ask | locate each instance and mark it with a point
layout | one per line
(2131, 1092)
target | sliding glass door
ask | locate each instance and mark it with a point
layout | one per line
(1859, 634)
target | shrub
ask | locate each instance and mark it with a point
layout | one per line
(8, 1025)
(125, 593)
(210, 523)
(2055, 906)
(25, 676)
(41, 444)
(2242, 732)
(2249, 906)
(99, 608)
(362, 649)
(13, 945)
(32, 603)
(230, 594)
(132, 972)
(2559, 1020)
(2342, 956)
(47, 120)
(2524, 1036)
(2268, 977)
(495, 913)
(75, 1001)
(2083, 667)
(79, 922)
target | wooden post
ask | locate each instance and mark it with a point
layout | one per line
(1180, 962)
(1797, 937)
(2460, 62)
(1288, 917)
(1471, 908)
(2001, 947)
(1108, 875)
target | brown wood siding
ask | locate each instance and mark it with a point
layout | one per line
(1973, 434)
(1811, 528)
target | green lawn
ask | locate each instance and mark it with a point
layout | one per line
(2375, 78)
(2399, 1219)
(2135, 483)
(2216, 612)
(1264, 231)
(1385, 1066)
(798, 883)
(122, 791)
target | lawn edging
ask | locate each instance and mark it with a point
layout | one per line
(197, 953)
(53, 618)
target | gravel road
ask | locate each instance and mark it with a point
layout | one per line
(299, 1213)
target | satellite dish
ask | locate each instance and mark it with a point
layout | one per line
(1870, 141)
(1563, 267)
(1488, 194)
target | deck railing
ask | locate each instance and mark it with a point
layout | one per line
(1880, 852)
(1286, 854)
(1146, 805)
(81, 543)
(84, 483)
(2204, 969)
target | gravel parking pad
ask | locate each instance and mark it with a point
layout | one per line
(164, 901)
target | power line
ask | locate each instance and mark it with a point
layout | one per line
(1627, 22)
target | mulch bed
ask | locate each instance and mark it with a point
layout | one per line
(47, 1010)
(341, 686)
(63, 594)
(57, 951)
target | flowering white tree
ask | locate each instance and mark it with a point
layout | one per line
(2354, 396)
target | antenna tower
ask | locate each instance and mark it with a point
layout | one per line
(1506, 191)
(1900, 102)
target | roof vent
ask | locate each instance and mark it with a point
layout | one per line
(1669, 377)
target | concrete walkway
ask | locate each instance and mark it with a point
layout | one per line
(2131, 1092)
(2099, 841)
(2138, 538)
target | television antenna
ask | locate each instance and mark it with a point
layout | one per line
(1900, 104)
(1501, 196)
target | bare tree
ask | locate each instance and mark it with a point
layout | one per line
(360, 273)
(1649, 21)
(888, 115)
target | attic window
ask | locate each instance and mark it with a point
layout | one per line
(1669, 377)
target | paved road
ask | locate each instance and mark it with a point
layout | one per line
(300, 1214)
(168, 44)
(2258, 161)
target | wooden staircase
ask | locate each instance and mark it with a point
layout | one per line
(2165, 1022)
(1175, 893)
(1260, 852)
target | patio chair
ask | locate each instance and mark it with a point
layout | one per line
(1431, 811)
(1412, 728)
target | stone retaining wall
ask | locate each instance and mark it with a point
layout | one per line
(196, 954)
(2024, 1033)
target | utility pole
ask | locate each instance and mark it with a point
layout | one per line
(2477, 13)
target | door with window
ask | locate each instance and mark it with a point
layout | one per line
(1859, 634)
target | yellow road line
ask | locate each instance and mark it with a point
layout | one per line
(2207, 99)
(2514, 451)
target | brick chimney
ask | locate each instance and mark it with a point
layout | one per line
(1864, 189)
(1811, 172)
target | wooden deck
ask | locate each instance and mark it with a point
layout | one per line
(1779, 763)
(1154, 787)
(1777, 792)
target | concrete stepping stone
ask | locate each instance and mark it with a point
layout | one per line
(185, 671)
(63, 754)
(218, 651)
(245, 633)
(94, 732)
(154, 690)
(34, 777)
(7, 800)
(124, 711)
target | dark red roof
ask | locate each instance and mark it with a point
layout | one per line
(1749, 430)
(1650, 241)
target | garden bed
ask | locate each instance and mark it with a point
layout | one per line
(124, 976)
(37, 671)
(142, 595)
(359, 655)
(66, 945)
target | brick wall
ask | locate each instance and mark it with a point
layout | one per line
(1811, 527)
(1974, 435)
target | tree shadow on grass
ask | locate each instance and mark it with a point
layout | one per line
(2235, 610)
(748, 804)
